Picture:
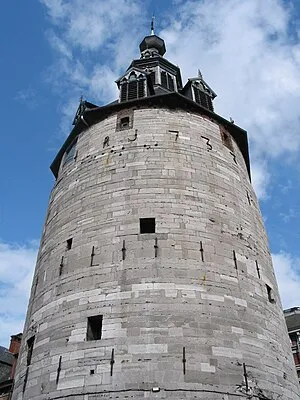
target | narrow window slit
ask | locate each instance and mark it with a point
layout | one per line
(201, 251)
(61, 266)
(234, 259)
(123, 251)
(183, 360)
(58, 370)
(257, 269)
(246, 377)
(155, 248)
(92, 257)
(112, 361)
(248, 197)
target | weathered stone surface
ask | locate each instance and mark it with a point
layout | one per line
(215, 307)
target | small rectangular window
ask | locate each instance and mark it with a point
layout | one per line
(270, 294)
(30, 343)
(226, 139)
(94, 327)
(70, 152)
(125, 119)
(69, 243)
(147, 225)
(124, 122)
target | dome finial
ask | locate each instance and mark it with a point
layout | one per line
(152, 25)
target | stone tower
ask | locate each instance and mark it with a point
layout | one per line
(154, 277)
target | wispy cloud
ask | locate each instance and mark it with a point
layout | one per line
(16, 270)
(289, 215)
(287, 270)
(94, 42)
(27, 96)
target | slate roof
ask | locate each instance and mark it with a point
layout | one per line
(292, 318)
(6, 360)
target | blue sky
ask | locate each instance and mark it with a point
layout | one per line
(53, 51)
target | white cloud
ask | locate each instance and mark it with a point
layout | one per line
(260, 178)
(287, 270)
(59, 45)
(246, 54)
(243, 48)
(16, 270)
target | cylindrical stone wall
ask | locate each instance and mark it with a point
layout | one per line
(189, 312)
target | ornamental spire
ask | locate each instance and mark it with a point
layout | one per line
(152, 25)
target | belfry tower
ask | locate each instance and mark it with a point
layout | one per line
(154, 277)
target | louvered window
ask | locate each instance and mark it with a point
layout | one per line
(170, 83)
(124, 91)
(152, 76)
(167, 81)
(141, 88)
(132, 89)
(203, 99)
(164, 81)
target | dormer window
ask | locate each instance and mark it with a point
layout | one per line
(167, 81)
(133, 88)
(201, 97)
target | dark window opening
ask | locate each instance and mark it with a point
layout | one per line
(132, 90)
(124, 122)
(170, 83)
(30, 343)
(226, 139)
(69, 243)
(152, 76)
(270, 294)
(147, 225)
(124, 90)
(203, 99)
(94, 327)
(70, 153)
(92, 371)
(167, 81)
(141, 88)
(163, 77)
